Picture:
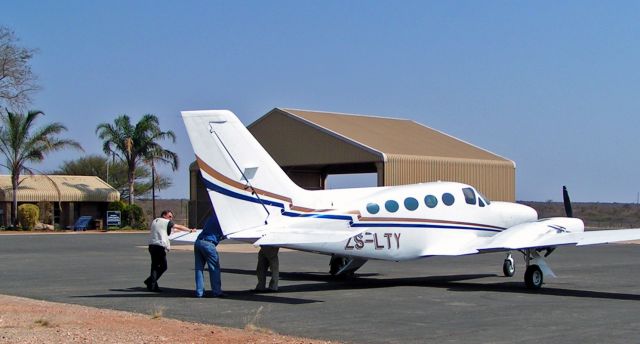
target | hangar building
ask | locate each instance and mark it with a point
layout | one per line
(68, 197)
(310, 145)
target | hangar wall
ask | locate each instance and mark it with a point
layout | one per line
(495, 179)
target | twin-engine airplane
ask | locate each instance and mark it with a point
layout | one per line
(255, 201)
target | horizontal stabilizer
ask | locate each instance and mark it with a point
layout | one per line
(185, 236)
(304, 236)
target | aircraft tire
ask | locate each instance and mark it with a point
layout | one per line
(533, 277)
(508, 268)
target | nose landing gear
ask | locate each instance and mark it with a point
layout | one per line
(509, 267)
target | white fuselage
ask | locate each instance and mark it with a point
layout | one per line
(401, 222)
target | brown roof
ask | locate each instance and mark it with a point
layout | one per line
(393, 136)
(53, 188)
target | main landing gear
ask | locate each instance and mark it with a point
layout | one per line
(536, 269)
(345, 266)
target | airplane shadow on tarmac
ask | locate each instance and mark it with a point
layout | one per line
(453, 283)
(325, 282)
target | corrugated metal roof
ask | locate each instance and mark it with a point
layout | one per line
(54, 188)
(393, 136)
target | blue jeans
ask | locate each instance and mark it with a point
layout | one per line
(205, 252)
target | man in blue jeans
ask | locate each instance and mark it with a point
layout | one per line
(205, 252)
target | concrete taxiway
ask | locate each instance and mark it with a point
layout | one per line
(460, 300)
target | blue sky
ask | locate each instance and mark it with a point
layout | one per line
(551, 85)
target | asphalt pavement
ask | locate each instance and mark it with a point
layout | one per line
(595, 299)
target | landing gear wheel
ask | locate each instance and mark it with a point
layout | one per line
(508, 268)
(533, 277)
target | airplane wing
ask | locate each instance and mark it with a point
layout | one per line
(553, 232)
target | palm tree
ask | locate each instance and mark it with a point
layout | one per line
(162, 156)
(134, 145)
(21, 143)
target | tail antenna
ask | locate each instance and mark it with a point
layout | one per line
(253, 190)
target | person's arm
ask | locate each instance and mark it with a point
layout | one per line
(183, 228)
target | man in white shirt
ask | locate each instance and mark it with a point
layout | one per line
(159, 245)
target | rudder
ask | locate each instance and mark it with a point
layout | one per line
(245, 185)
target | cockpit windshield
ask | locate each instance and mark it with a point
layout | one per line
(484, 198)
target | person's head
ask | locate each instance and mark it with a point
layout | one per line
(167, 214)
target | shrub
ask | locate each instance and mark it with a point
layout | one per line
(28, 215)
(117, 205)
(135, 216)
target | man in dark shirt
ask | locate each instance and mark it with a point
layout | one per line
(204, 250)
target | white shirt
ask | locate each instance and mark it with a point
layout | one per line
(159, 234)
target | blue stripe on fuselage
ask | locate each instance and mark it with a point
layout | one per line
(420, 225)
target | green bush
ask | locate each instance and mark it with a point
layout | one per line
(117, 206)
(135, 216)
(131, 215)
(28, 215)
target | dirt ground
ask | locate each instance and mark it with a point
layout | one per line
(31, 321)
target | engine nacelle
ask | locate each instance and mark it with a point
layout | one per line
(523, 235)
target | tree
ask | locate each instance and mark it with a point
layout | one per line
(21, 143)
(17, 81)
(97, 165)
(164, 157)
(134, 145)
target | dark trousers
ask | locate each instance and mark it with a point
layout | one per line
(158, 265)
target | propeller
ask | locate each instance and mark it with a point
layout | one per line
(567, 202)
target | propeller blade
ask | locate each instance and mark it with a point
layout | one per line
(567, 202)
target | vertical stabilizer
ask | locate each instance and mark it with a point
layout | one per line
(246, 186)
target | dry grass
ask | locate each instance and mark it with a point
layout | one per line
(157, 312)
(253, 323)
(43, 322)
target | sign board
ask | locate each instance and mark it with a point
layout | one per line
(113, 218)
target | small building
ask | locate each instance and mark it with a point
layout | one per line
(61, 199)
(310, 145)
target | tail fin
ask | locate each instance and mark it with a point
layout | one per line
(245, 184)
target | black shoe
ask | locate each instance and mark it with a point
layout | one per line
(156, 289)
(221, 296)
(148, 284)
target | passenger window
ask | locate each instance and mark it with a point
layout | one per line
(469, 196)
(373, 208)
(448, 198)
(411, 203)
(391, 206)
(431, 201)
